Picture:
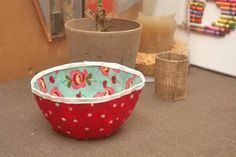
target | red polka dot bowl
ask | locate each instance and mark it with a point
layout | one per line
(87, 100)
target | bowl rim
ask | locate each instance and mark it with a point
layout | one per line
(91, 100)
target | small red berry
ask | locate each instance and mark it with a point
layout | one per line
(51, 79)
(78, 95)
(113, 79)
(104, 84)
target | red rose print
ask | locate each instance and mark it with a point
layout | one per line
(78, 78)
(105, 70)
(55, 92)
(116, 70)
(51, 79)
(42, 85)
(99, 94)
(108, 91)
(129, 82)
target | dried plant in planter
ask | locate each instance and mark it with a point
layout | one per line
(107, 39)
(100, 17)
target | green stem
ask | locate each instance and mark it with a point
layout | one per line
(100, 3)
(64, 81)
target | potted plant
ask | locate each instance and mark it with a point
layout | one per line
(102, 38)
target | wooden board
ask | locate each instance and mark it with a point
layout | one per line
(24, 49)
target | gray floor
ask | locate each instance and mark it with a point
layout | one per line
(203, 125)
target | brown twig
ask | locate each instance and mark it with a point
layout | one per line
(100, 17)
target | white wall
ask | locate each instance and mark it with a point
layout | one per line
(217, 54)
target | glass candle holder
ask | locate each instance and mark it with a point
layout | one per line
(165, 29)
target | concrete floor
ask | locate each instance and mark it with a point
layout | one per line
(203, 125)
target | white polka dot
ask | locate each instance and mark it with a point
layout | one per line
(111, 121)
(50, 112)
(57, 104)
(92, 105)
(114, 105)
(101, 129)
(70, 108)
(46, 115)
(122, 105)
(68, 132)
(129, 111)
(117, 118)
(58, 127)
(132, 96)
(86, 129)
(103, 116)
(75, 120)
(90, 114)
(63, 119)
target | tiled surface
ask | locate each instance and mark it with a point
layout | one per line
(203, 125)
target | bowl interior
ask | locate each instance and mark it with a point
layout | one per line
(86, 81)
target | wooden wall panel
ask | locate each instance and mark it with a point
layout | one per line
(23, 45)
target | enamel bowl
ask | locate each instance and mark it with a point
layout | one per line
(87, 100)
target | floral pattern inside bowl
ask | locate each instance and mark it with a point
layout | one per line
(87, 81)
